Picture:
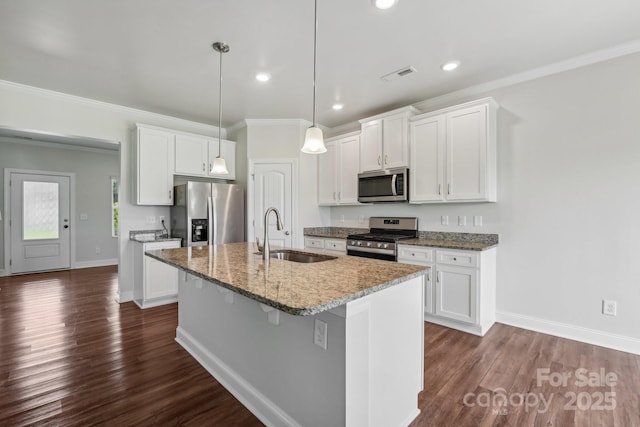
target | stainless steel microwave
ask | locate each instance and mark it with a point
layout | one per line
(389, 185)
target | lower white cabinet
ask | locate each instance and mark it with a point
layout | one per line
(326, 245)
(460, 289)
(155, 283)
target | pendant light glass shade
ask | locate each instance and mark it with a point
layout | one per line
(313, 140)
(219, 166)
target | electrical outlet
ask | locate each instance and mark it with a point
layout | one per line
(97, 250)
(477, 221)
(444, 220)
(161, 218)
(462, 220)
(151, 220)
(320, 334)
(341, 218)
(360, 219)
(609, 307)
(84, 217)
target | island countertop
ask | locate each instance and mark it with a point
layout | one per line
(295, 288)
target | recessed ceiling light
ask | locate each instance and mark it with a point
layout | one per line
(450, 65)
(263, 77)
(337, 106)
(384, 4)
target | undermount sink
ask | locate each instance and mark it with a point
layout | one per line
(303, 257)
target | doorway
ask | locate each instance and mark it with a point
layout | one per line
(272, 185)
(40, 231)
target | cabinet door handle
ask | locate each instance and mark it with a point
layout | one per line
(209, 166)
(439, 189)
(438, 277)
(334, 195)
(379, 160)
(169, 194)
(448, 188)
(339, 196)
(204, 166)
(386, 159)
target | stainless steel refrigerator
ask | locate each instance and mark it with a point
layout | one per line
(208, 213)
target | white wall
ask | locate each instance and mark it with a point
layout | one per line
(568, 203)
(24, 107)
(93, 170)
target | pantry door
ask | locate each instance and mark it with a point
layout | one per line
(40, 222)
(271, 186)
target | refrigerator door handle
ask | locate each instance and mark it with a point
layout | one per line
(214, 221)
(210, 221)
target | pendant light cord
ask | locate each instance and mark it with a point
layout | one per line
(315, 55)
(220, 111)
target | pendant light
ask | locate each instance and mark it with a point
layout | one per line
(313, 140)
(219, 166)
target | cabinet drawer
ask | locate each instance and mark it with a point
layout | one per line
(335, 245)
(313, 243)
(415, 254)
(461, 259)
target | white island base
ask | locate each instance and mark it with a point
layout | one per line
(369, 375)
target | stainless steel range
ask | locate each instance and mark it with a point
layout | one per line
(381, 240)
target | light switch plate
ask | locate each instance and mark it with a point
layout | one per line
(320, 334)
(444, 220)
(462, 220)
(84, 217)
(477, 221)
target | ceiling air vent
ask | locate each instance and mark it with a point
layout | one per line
(404, 71)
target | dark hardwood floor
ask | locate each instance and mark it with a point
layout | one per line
(71, 356)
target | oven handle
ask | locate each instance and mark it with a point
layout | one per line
(394, 191)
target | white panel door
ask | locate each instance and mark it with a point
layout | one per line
(328, 175)
(467, 154)
(40, 221)
(371, 146)
(191, 155)
(349, 168)
(456, 293)
(427, 160)
(272, 188)
(394, 140)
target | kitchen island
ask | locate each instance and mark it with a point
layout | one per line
(336, 342)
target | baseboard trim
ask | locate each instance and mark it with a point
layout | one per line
(259, 405)
(95, 263)
(573, 332)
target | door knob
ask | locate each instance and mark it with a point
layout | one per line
(66, 226)
(286, 233)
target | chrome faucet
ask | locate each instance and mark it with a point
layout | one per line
(265, 244)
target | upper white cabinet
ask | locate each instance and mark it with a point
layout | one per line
(191, 155)
(153, 166)
(384, 141)
(453, 154)
(228, 153)
(338, 171)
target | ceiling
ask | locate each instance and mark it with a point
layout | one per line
(157, 56)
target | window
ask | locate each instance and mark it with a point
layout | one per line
(115, 187)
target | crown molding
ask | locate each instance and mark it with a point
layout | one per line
(146, 115)
(536, 73)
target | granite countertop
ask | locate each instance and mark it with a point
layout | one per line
(146, 236)
(295, 288)
(436, 239)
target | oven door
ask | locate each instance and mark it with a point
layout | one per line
(383, 186)
(371, 253)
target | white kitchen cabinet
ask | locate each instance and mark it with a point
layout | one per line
(384, 143)
(338, 171)
(460, 290)
(155, 283)
(191, 153)
(228, 152)
(153, 166)
(453, 154)
(326, 245)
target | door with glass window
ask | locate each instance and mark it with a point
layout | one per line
(40, 222)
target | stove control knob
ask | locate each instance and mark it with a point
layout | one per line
(353, 243)
(379, 245)
(385, 246)
(369, 244)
